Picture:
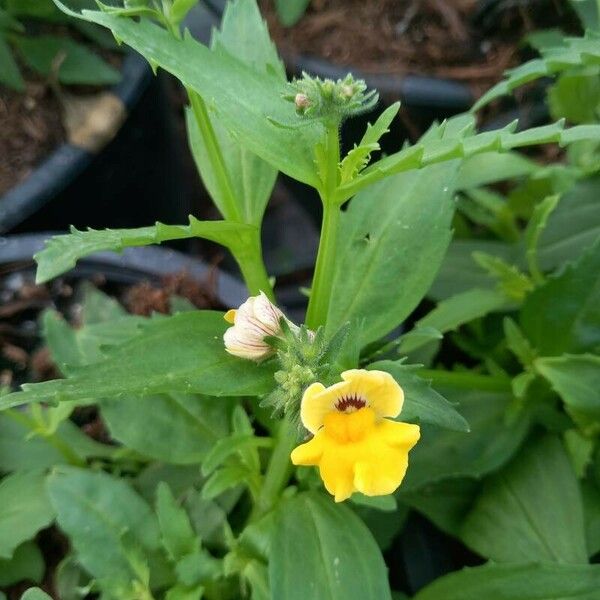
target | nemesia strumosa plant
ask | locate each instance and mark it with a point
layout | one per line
(265, 459)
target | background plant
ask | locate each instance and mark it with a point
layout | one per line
(199, 499)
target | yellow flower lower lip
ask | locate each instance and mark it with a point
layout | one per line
(357, 452)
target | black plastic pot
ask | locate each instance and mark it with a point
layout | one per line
(133, 265)
(133, 180)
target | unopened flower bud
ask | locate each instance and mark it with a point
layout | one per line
(348, 91)
(302, 102)
(253, 321)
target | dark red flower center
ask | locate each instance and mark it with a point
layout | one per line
(350, 403)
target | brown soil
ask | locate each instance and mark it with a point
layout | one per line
(31, 129)
(428, 37)
(31, 122)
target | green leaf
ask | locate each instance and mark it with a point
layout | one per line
(320, 550)
(358, 158)
(26, 564)
(460, 273)
(572, 52)
(491, 442)
(587, 10)
(392, 240)
(576, 378)
(517, 343)
(453, 312)
(510, 280)
(516, 582)
(573, 226)
(421, 402)
(528, 511)
(63, 251)
(576, 96)
(10, 75)
(19, 451)
(224, 479)
(24, 509)
(536, 225)
(179, 354)
(74, 63)
(290, 11)
(178, 429)
(491, 167)
(96, 511)
(244, 35)
(563, 315)
(248, 102)
(225, 447)
(35, 594)
(178, 537)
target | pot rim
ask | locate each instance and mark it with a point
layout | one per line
(132, 265)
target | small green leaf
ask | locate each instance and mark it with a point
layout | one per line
(26, 564)
(224, 479)
(517, 343)
(563, 315)
(536, 225)
(225, 447)
(576, 96)
(528, 581)
(24, 509)
(177, 534)
(73, 62)
(510, 279)
(35, 594)
(576, 378)
(421, 402)
(320, 550)
(529, 512)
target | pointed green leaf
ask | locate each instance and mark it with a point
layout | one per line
(63, 251)
(527, 581)
(24, 509)
(183, 353)
(576, 378)
(323, 550)
(529, 512)
(385, 265)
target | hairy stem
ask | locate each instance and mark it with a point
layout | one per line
(318, 305)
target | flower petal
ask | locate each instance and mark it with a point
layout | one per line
(308, 454)
(317, 401)
(229, 316)
(381, 390)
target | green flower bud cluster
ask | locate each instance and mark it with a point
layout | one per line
(304, 357)
(330, 100)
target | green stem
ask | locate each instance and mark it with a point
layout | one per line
(230, 207)
(278, 471)
(253, 268)
(318, 305)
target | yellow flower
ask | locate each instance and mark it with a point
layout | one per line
(356, 448)
(254, 320)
